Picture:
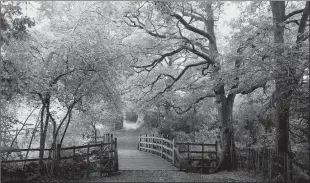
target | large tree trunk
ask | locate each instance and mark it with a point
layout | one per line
(309, 113)
(225, 109)
(283, 83)
(224, 105)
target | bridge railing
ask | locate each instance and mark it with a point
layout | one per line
(183, 155)
(160, 146)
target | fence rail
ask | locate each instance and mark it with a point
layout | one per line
(266, 161)
(103, 157)
(201, 157)
(172, 152)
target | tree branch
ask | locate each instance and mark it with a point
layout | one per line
(293, 13)
(200, 54)
(179, 110)
(291, 21)
(179, 76)
(303, 21)
(194, 29)
(156, 61)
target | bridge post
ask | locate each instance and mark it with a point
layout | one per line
(153, 147)
(139, 142)
(146, 144)
(162, 145)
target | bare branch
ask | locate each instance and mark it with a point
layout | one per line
(179, 110)
(194, 29)
(293, 13)
(303, 21)
(134, 24)
(292, 21)
(200, 54)
(194, 16)
(179, 76)
(157, 61)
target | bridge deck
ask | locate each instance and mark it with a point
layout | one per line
(139, 160)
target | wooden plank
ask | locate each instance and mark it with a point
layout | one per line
(85, 146)
(198, 144)
(167, 140)
(150, 149)
(198, 159)
(20, 150)
(199, 152)
(22, 160)
(139, 160)
(167, 155)
(167, 148)
(155, 144)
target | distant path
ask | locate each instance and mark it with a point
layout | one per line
(130, 158)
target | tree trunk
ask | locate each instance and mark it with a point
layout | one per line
(224, 105)
(95, 131)
(282, 81)
(46, 104)
(225, 109)
(65, 131)
(41, 153)
(309, 113)
(32, 137)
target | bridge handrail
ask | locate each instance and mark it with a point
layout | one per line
(160, 146)
(168, 149)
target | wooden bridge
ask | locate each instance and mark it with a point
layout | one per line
(158, 153)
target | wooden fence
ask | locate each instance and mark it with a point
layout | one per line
(201, 157)
(267, 162)
(104, 138)
(99, 157)
(181, 158)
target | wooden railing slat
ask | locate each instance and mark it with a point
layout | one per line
(167, 149)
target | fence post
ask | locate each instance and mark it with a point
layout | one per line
(87, 174)
(111, 145)
(269, 163)
(202, 158)
(146, 144)
(162, 145)
(101, 160)
(116, 155)
(57, 160)
(188, 151)
(173, 162)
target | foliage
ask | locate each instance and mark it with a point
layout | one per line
(13, 23)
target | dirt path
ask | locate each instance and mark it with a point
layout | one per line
(127, 139)
(175, 176)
